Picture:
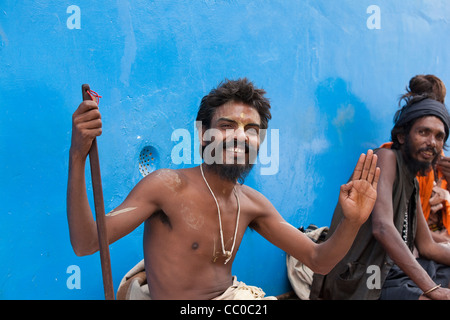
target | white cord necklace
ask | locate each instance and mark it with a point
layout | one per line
(226, 254)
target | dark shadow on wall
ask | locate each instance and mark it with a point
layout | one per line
(348, 130)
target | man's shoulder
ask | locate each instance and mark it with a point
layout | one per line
(168, 179)
(254, 196)
(249, 191)
(384, 151)
(386, 156)
(387, 162)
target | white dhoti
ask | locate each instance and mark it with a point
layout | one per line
(134, 287)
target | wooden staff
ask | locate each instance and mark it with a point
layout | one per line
(100, 212)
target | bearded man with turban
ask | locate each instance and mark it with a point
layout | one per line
(381, 263)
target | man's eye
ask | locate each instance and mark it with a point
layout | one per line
(252, 131)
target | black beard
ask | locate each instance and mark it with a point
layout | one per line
(234, 172)
(415, 166)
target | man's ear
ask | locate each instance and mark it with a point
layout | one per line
(401, 138)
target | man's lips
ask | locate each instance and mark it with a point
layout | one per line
(428, 153)
(236, 147)
(236, 150)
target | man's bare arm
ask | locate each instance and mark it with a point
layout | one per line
(357, 199)
(426, 245)
(386, 233)
(86, 125)
(137, 207)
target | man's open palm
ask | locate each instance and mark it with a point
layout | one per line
(358, 197)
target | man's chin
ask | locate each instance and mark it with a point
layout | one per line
(421, 167)
(232, 172)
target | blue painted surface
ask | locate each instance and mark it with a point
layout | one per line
(332, 80)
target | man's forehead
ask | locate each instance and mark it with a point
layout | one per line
(237, 111)
(431, 122)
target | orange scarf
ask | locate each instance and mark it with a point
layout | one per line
(426, 184)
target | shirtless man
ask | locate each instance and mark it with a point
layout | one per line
(189, 247)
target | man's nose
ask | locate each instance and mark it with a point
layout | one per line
(432, 141)
(240, 135)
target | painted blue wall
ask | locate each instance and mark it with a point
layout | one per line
(333, 71)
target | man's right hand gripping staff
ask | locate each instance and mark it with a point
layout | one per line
(86, 126)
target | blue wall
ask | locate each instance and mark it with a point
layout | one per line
(332, 69)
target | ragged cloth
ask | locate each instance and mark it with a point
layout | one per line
(300, 276)
(134, 287)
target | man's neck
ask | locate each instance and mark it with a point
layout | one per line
(219, 185)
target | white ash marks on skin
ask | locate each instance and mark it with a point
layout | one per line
(195, 221)
(173, 181)
(170, 178)
(114, 213)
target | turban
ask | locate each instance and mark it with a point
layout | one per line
(422, 108)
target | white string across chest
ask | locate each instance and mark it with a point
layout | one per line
(226, 254)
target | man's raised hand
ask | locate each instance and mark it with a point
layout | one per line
(358, 196)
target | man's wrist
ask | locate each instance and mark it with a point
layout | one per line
(352, 223)
(429, 291)
(76, 155)
(435, 294)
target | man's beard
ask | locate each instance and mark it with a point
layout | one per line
(234, 171)
(416, 166)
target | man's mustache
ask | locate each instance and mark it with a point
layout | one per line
(429, 149)
(220, 148)
(239, 144)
